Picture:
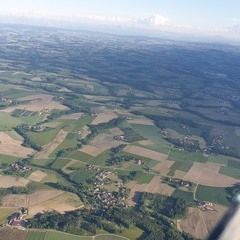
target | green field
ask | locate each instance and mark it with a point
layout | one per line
(152, 133)
(231, 172)
(110, 237)
(36, 235)
(42, 162)
(141, 177)
(177, 155)
(180, 165)
(187, 196)
(132, 233)
(43, 138)
(101, 159)
(212, 194)
(81, 175)
(8, 122)
(78, 155)
(4, 213)
(64, 236)
(60, 163)
(4, 159)
(71, 141)
(54, 235)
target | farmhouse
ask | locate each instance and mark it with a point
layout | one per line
(17, 219)
(39, 128)
(179, 182)
(6, 100)
(19, 167)
(205, 206)
(120, 138)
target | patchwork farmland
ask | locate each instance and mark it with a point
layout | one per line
(92, 154)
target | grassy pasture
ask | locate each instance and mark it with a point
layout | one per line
(81, 175)
(78, 155)
(76, 125)
(43, 138)
(182, 166)
(234, 164)
(152, 133)
(187, 196)
(4, 159)
(140, 177)
(132, 233)
(60, 163)
(8, 122)
(52, 235)
(101, 159)
(231, 172)
(109, 237)
(75, 166)
(212, 194)
(37, 235)
(70, 141)
(42, 162)
(4, 213)
(219, 159)
(177, 155)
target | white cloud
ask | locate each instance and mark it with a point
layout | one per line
(150, 21)
(156, 20)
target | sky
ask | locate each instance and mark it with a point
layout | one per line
(220, 17)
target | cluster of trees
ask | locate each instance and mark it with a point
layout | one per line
(168, 206)
(131, 136)
(233, 191)
(56, 114)
(191, 146)
(22, 130)
(85, 221)
(128, 177)
(79, 222)
(116, 158)
(71, 100)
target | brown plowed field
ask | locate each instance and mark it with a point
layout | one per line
(208, 174)
(144, 152)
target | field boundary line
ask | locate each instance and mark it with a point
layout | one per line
(194, 193)
(93, 237)
(114, 235)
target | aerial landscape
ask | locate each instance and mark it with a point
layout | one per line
(115, 137)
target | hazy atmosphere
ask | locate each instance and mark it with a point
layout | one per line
(207, 18)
